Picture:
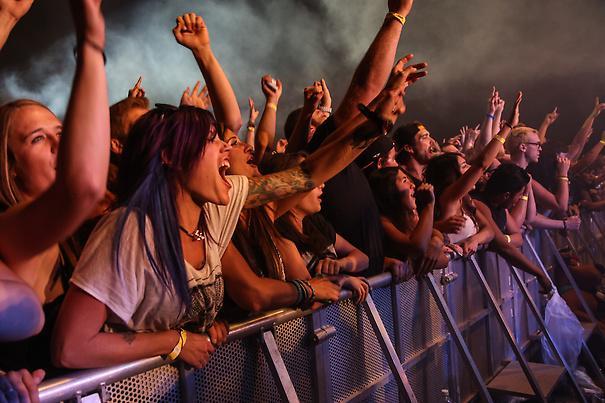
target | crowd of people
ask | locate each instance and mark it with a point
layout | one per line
(129, 232)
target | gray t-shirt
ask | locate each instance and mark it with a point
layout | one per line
(135, 295)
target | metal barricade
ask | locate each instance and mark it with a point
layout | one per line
(343, 352)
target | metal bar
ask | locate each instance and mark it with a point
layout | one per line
(186, 383)
(534, 309)
(592, 363)
(388, 350)
(323, 380)
(457, 336)
(507, 332)
(277, 367)
(564, 269)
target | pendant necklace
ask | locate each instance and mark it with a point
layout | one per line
(196, 235)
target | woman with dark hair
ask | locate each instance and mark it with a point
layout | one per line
(408, 233)
(453, 179)
(152, 268)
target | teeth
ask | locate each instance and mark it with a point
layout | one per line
(225, 164)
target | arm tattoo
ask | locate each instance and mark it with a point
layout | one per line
(129, 337)
(265, 189)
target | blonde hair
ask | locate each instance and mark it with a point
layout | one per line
(10, 194)
(517, 137)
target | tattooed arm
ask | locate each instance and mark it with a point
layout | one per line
(340, 149)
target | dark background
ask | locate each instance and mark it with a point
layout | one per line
(551, 49)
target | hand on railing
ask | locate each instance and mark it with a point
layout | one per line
(20, 386)
(197, 350)
(218, 333)
(325, 290)
(399, 270)
(358, 286)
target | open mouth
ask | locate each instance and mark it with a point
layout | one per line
(222, 170)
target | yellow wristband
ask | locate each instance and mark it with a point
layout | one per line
(500, 139)
(271, 105)
(602, 141)
(250, 128)
(564, 178)
(179, 346)
(397, 16)
(508, 238)
(524, 198)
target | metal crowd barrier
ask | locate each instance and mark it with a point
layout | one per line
(396, 346)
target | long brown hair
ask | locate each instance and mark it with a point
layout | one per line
(10, 193)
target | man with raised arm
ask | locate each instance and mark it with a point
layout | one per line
(348, 202)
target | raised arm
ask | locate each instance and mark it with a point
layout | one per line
(11, 11)
(500, 103)
(300, 134)
(191, 32)
(549, 119)
(251, 127)
(485, 133)
(268, 121)
(375, 67)
(83, 153)
(577, 145)
(343, 146)
(590, 157)
(562, 192)
(467, 181)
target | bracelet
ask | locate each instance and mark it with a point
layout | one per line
(308, 284)
(251, 128)
(602, 141)
(299, 292)
(508, 125)
(489, 115)
(524, 198)
(325, 109)
(179, 346)
(94, 46)
(563, 178)
(500, 138)
(271, 105)
(508, 238)
(383, 125)
(397, 16)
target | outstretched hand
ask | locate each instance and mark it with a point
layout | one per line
(551, 117)
(313, 95)
(89, 22)
(598, 107)
(253, 112)
(191, 32)
(15, 8)
(402, 7)
(137, 91)
(271, 87)
(390, 101)
(197, 97)
(514, 119)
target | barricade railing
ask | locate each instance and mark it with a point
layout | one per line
(342, 352)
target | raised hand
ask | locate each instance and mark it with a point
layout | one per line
(313, 95)
(196, 97)
(551, 117)
(272, 94)
(563, 164)
(191, 32)
(598, 107)
(253, 112)
(137, 91)
(281, 145)
(424, 194)
(15, 8)
(514, 120)
(326, 100)
(402, 7)
(492, 102)
(89, 22)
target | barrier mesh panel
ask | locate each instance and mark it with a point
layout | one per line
(384, 393)
(430, 375)
(293, 340)
(356, 360)
(421, 321)
(158, 385)
(237, 372)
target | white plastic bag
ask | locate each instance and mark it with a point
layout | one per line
(566, 331)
